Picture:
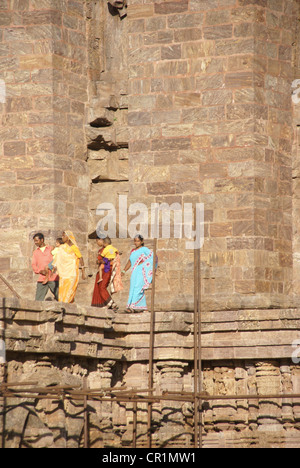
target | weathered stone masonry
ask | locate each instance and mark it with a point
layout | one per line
(163, 101)
(55, 345)
(211, 83)
(208, 85)
(44, 177)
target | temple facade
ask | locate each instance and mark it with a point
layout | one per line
(111, 112)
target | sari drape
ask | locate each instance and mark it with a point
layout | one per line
(116, 277)
(101, 296)
(141, 277)
(67, 265)
(110, 276)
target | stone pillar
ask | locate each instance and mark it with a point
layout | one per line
(105, 369)
(268, 382)
(171, 375)
(171, 379)
(43, 92)
(210, 118)
(106, 382)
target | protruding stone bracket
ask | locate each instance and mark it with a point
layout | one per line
(119, 6)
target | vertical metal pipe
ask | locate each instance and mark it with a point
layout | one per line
(134, 423)
(85, 416)
(152, 318)
(4, 376)
(196, 270)
(197, 344)
(151, 344)
(199, 318)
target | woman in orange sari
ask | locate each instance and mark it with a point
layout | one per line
(68, 261)
(111, 276)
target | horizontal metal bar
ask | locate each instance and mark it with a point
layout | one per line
(134, 395)
(50, 390)
(16, 384)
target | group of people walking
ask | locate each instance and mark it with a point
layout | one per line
(58, 269)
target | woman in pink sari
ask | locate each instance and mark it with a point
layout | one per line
(141, 264)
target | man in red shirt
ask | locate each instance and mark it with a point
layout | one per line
(41, 258)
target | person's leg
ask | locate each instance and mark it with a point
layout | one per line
(103, 285)
(53, 286)
(101, 296)
(41, 291)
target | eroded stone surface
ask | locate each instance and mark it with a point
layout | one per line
(244, 353)
(168, 101)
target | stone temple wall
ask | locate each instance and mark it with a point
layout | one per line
(53, 345)
(167, 101)
(211, 83)
(44, 177)
(174, 102)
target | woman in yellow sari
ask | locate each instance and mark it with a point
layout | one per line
(68, 261)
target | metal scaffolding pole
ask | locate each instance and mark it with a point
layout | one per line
(3, 364)
(151, 343)
(115, 394)
(197, 346)
(85, 416)
(196, 370)
(133, 396)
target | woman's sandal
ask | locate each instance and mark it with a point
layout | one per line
(129, 311)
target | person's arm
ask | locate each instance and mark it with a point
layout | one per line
(35, 266)
(82, 267)
(127, 267)
(81, 261)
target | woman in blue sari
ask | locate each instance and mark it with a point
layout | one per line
(141, 263)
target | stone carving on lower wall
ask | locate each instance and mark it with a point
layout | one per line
(245, 353)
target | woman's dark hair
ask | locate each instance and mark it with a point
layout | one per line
(39, 235)
(59, 239)
(138, 236)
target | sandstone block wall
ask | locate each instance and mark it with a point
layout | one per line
(210, 85)
(175, 101)
(211, 120)
(44, 182)
(106, 125)
(61, 346)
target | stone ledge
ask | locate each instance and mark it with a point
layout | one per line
(51, 327)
